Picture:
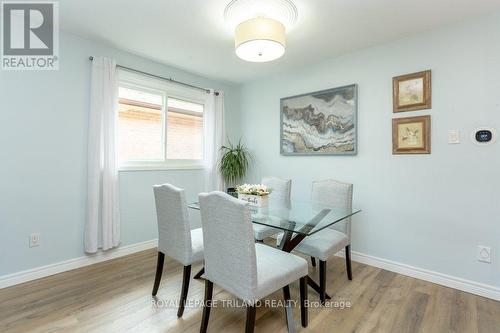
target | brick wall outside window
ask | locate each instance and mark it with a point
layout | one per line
(184, 136)
(140, 132)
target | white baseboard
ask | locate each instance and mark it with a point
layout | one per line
(469, 286)
(415, 272)
(63, 266)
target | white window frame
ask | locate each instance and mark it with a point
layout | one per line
(167, 90)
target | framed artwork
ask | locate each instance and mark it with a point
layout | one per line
(412, 92)
(411, 135)
(320, 123)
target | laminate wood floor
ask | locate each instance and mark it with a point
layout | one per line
(115, 296)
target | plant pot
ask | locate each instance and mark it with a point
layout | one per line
(232, 191)
(254, 200)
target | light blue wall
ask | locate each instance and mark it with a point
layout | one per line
(43, 147)
(429, 211)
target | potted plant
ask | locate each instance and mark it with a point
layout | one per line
(233, 164)
(254, 194)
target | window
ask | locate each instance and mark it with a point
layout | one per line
(159, 125)
(140, 125)
(184, 130)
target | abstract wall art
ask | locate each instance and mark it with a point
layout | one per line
(320, 123)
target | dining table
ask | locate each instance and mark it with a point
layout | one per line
(296, 220)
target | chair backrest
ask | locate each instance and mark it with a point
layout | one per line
(174, 231)
(230, 260)
(281, 190)
(336, 194)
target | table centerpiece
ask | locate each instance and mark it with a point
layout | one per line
(255, 194)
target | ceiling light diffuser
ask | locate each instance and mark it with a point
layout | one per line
(260, 40)
(260, 27)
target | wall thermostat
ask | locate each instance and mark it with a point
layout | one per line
(483, 136)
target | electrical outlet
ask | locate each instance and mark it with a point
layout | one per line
(484, 254)
(34, 240)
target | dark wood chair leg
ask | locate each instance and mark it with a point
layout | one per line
(288, 310)
(250, 324)
(184, 291)
(199, 274)
(159, 271)
(303, 301)
(322, 281)
(207, 304)
(348, 261)
(313, 261)
(316, 287)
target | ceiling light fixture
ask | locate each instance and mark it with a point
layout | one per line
(260, 27)
(260, 40)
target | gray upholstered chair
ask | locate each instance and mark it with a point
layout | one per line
(280, 195)
(234, 262)
(175, 237)
(326, 243)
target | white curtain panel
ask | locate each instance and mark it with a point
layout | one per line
(102, 228)
(215, 137)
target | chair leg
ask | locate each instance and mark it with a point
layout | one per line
(303, 301)
(288, 310)
(322, 281)
(199, 274)
(348, 261)
(207, 304)
(184, 291)
(159, 271)
(250, 323)
(313, 261)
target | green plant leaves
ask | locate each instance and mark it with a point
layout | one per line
(234, 162)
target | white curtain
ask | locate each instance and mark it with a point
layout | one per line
(102, 227)
(215, 136)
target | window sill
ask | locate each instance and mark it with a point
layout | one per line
(127, 168)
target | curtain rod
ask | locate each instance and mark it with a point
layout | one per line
(216, 93)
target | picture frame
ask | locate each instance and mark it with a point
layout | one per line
(320, 123)
(411, 135)
(412, 92)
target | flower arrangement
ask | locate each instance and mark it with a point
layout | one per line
(255, 194)
(253, 189)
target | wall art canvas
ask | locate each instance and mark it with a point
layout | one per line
(412, 92)
(411, 135)
(320, 123)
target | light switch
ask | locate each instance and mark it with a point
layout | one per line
(453, 136)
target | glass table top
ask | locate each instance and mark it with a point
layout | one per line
(300, 217)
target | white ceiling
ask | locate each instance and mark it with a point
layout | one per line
(192, 34)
